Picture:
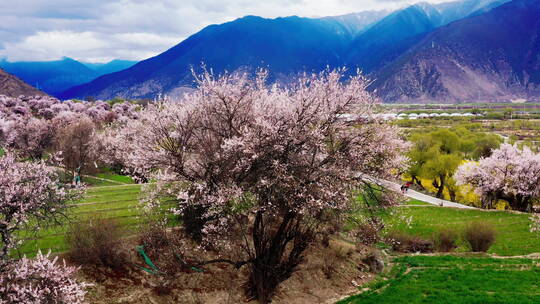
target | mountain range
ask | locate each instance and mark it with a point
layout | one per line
(53, 77)
(468, 50)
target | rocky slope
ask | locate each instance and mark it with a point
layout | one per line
(489, 57)
(13, 86)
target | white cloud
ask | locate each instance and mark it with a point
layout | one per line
(101, 30)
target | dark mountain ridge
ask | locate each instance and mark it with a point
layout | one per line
(283, 45)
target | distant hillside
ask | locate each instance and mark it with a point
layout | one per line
(285, 46)
(13, 86)
(452, 11)
(356, 23)
(489, 57)
(109, 67)
(56, 76)
(388, 38)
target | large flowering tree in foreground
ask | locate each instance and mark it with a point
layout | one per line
(40, 281)
(262, 165)
(509, 174)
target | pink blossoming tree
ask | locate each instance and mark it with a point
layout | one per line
(509, 174)
(262, 165)
(29, 192)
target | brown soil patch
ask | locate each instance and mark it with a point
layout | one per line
(328, 274)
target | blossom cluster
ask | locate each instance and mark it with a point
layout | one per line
(39, 281)
(45, 107)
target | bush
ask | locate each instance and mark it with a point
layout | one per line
(445, 240)
(97, 242)
(407, 243)
(166, 248)
(367, 234)
(480, 236)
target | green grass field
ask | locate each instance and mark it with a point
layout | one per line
(463, 278)
(115, 201)
(513, 235)
(455, 280)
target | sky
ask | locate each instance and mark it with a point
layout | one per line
(102, 30)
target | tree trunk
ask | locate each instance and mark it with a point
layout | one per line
(417, 181)
(193, 221)
(452, 195)
(487, 202)
(520, 203)
(6, 243)
(439, 186)
(274, 260)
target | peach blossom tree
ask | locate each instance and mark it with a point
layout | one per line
(510, 174)
(31, 196)
(260, 165)
(29, 192)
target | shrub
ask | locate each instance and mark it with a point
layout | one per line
(403, 242)
(367, 234)
(97, 242)
(167, 249)
(154, 238)
(445, 240)
(480, 236)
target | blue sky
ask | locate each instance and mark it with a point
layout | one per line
(102, 30)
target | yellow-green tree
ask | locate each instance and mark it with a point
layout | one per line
(436, 155)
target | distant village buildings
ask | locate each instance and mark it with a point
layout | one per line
(394, 116)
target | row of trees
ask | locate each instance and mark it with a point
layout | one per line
(454, 157)
(34, 127)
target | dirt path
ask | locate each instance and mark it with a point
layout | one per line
(104, 179)
(420, 196)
